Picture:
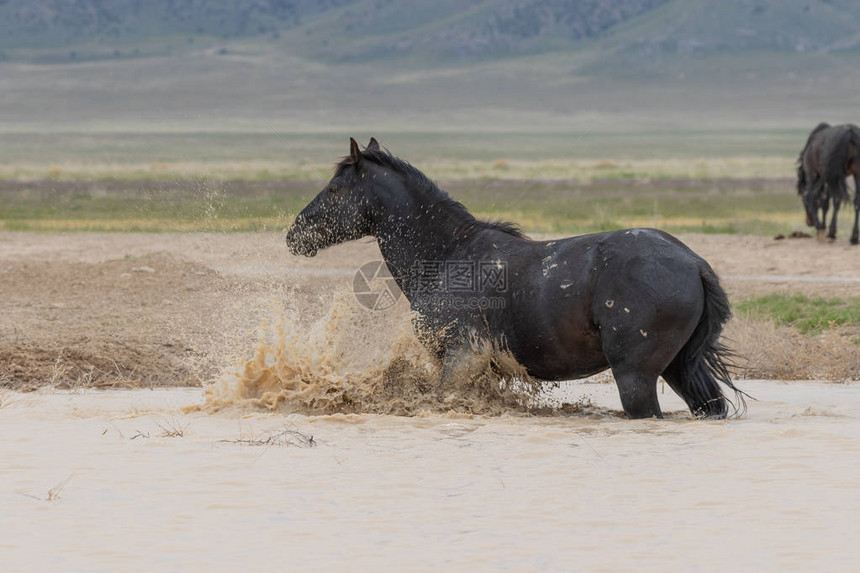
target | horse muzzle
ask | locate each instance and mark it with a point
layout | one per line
(301, 250)
(301, 242)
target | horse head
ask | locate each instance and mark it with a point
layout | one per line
(340, 212)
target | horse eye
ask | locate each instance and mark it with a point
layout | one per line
(333, 189)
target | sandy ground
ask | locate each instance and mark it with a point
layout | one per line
(175, 309)
(125, 480)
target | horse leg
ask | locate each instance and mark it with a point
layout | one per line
(459, 364)
(855, 234)
(636, 359)
(837, 199)
(638, 392)
(673, 377)
(821, 224)
(646, 313)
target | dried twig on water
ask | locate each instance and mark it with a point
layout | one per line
(53, 493)
(284, 437)
(172, 429)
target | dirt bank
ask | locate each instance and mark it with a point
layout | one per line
(175, 309)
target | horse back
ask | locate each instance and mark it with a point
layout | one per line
(594, 270)
(620, 283)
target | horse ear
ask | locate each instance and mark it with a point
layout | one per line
(354, 152)
(373, 145)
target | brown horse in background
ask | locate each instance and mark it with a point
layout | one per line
(831, 154)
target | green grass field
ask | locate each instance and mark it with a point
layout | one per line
(715, 205)
(809, 315)
(708, 181)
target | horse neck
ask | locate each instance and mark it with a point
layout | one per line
(415, 226)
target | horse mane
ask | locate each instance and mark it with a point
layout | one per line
(466, 223)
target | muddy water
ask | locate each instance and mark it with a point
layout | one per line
(94, 482)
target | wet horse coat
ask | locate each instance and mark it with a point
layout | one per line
(637, 301)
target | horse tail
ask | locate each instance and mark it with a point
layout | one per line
(703, 362)
(854, 149)
(801, 172)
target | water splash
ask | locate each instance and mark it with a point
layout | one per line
(353, 360)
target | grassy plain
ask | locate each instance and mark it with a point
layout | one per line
(708, 181)
(809, 315)
(210, 203)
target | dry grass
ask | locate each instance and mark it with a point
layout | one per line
(245, 170)
(294, 169)
(148, 225)
(588, 170)
(84, 364)
(172, 428)
(53, 493)
(767, 350)
(282, 437)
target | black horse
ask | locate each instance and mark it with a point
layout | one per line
(831, 154)
(637, 301)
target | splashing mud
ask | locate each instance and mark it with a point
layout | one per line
(352, 360)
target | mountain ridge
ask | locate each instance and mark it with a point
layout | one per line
(520, 65)
(437, 33)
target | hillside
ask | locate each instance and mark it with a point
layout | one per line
(64, 23)
(336, 30)
(411, 64)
